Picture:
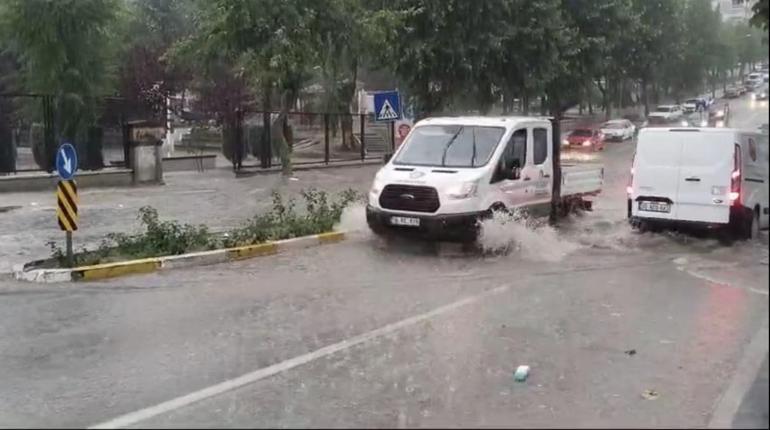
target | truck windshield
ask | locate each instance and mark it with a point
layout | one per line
(450, 146)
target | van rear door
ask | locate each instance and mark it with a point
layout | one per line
(704, 182)
(656, 174)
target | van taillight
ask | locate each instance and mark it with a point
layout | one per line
(735, 177)
(629, 187)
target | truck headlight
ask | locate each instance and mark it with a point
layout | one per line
(463, 191)
(565, 142)
(377, 186)
(587, 143)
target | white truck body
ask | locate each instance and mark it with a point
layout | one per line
(707, 176)
(455, 169)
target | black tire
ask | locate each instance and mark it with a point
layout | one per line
(753, 225)
(741, 224)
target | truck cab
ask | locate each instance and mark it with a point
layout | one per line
(451, 171)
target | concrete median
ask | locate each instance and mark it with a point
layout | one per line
(148, 265)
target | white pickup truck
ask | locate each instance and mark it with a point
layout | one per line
(452, 171)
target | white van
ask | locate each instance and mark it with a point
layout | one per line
(451, 171)
(709, 177)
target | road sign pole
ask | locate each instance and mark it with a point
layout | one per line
(69, 249)
(392, 137)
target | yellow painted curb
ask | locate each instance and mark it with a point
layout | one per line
(147, 265)
(332, 237)
(248, 251)
(111, 270)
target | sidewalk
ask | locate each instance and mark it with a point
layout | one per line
(214, 198)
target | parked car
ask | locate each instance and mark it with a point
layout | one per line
(585, 138)
(764, 128)
(667, 112)
(618, 129)
(732, 92)
(690, 105)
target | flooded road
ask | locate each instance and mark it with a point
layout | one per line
(618, 329)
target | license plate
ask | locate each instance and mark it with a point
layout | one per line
(405, 221)
(654, 207)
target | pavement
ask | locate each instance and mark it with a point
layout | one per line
(620, 329)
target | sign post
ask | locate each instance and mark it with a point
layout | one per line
(67, 194)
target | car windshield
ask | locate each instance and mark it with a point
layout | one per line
(450, 146)
(582, 132)
(613, 125)
(664, 109)
(691, 101)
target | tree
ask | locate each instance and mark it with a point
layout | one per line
(152, 28)
(761, 11)
(64, 48)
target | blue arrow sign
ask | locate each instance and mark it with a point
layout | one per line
(66, 161)
(387, 106)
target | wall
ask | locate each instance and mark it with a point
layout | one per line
(188, 163)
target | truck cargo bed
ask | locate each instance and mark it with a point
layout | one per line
(581, 179)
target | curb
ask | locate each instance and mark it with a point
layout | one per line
(249, 171)
(147, 265)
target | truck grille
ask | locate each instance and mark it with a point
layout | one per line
(409, 198)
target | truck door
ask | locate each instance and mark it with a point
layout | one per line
(539, 170)
(512, 190)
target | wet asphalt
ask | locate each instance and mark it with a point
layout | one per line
(619, 329)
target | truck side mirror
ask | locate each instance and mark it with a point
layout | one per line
(386, 158)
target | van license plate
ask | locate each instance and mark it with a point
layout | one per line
(655, 207)
(405, 221)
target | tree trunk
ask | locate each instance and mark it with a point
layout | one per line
(645, 97)
(525, 104)
(543, 107)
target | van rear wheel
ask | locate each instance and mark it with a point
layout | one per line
(744, 225)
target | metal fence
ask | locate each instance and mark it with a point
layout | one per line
(314, 137)
(28, 133)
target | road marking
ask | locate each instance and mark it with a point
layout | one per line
(745, 374)
(265, 372)
(708, 278)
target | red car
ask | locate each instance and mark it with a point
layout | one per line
(585, 138)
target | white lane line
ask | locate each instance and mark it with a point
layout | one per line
(713, 280)
(251, 377)
(745, 374)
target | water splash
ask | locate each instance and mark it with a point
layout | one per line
(516, 232)
(353, 219)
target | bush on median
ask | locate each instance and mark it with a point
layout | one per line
(159, 238)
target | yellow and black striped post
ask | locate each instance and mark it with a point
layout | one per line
(67, 205)
(67, 211)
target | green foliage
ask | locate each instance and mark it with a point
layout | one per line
(162, 237)
(284, 221)
(65, 49)
(159, 238)
(761, 17)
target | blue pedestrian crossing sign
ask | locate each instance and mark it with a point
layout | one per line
(66, 161)
(387, 106)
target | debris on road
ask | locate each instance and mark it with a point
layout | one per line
(650, 394)
(630, 352)
(521, 374)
